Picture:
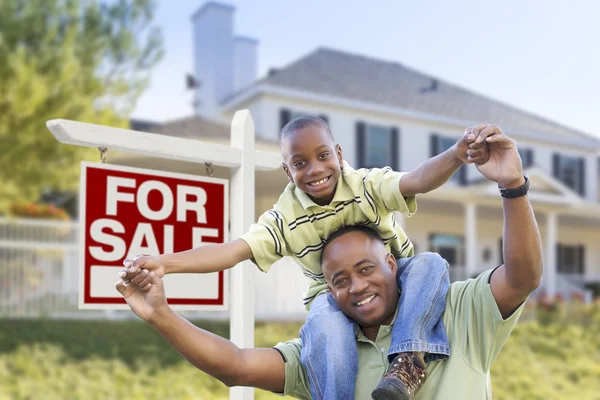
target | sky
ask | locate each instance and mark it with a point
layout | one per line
(540, 56)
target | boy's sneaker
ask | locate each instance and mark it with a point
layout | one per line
(405, 376)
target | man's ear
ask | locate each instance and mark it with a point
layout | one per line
(338, 152)
(287, 171)
(391, 262)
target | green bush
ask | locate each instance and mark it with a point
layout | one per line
(554, 353)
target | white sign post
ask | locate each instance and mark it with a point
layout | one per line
(241, 156)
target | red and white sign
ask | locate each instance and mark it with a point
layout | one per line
(127, 211)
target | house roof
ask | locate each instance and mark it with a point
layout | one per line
(195, 127)
(357, 77)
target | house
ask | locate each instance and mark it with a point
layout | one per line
(383, 113)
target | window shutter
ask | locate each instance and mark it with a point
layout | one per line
(324, 118)
(462, 175)
(530, 159)
(581, 176)
(433, 145)
(559, 257)
(360, 143)
(581, 259)
(395, 150)
(501, 252)
(285, 116)
(555, 164)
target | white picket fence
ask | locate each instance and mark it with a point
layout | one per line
(39, 277)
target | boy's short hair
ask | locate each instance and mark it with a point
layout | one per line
(302, 122)
(369, 232)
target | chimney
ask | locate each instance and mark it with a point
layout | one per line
(213, 56)
(244, 62)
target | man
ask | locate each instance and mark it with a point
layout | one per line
(479, 316)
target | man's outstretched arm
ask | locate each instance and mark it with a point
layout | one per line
(218, 357)
(521, 273)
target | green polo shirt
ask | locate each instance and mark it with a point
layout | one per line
(476, 332)
(297, 227)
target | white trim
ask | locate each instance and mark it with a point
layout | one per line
(155, 145)
(263, 88)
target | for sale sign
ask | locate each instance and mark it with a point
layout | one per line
(128, 211)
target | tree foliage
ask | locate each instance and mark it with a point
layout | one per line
(73, 59)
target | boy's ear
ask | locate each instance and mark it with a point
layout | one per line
(338, 151)
(287, 171)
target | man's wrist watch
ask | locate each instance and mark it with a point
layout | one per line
(516, 192)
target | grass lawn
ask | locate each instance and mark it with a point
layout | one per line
(554, 355)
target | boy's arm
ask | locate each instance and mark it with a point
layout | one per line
(264, 244)
(437, 170)
(204, 259)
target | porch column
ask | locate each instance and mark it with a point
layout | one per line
(550, 255)
(400, 219)
(471, 240)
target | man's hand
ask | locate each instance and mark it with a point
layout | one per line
(469, 152)
(133, 267)
(504, 165)
(145, 294)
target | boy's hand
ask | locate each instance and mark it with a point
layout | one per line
(468, 150)
(133, 267)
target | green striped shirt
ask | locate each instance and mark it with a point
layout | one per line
(297, 227)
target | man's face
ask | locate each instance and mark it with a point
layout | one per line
(361, 276)
(313, 162)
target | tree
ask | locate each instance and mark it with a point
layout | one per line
(83, 60)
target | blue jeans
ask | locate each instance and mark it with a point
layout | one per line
(329, 353)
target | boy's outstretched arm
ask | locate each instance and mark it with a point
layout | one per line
(204, 259)
(437, 170)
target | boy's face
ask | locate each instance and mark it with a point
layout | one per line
(312, 161)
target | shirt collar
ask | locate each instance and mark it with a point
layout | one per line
(342, 190)
(381, 332)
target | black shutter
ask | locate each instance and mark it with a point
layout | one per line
(559, 258)
(434, 143)
(530, 160)
(324, 118)
(395, 151)
(581, 176)
(555, 164)
(462, 175)
(285, 116)
(581, 259)
(501, 252)
(360, 144)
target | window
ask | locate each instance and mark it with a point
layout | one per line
(451, 247)
(570, 171)
(286, 115)
(376, 146)
(570, 259)
(526, 157)
(439, 144)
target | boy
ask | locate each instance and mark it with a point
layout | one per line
(325, 194)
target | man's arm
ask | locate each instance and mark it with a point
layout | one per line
(216, 356)
(434, 172)
(220, 358)
(521, 273)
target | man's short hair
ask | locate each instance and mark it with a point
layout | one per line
(302, 122)
(349, 229)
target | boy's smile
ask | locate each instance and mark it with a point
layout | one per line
(312, 161)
